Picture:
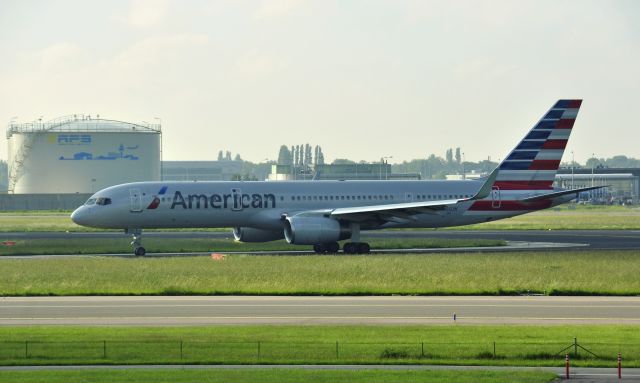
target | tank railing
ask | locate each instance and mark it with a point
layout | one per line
(86, 125)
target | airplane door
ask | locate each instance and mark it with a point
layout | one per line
(495, 197)
(236, 194)
(136, 200)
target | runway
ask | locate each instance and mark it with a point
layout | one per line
(578, 239)
(227, 310)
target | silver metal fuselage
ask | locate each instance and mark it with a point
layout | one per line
(262, 204)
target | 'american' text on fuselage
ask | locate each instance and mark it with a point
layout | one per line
(235, 201)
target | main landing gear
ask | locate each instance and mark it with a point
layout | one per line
(323, 248)
(353, 247)
(356, 248)
(136, 234)
(348, 248)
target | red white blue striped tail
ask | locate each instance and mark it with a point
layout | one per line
(533, 164)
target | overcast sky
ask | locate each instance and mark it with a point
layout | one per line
(363, 79)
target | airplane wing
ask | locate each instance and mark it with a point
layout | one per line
(406, 210)
(561, 193)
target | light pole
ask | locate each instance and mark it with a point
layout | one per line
(593, 165)
(573, 165)
(464, 173)
(385, 167)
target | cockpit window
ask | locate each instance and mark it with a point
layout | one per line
(103, 201)
(90, 201)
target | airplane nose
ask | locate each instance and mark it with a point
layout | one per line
(79, 216)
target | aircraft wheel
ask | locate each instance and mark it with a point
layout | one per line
(319, 248)
(363, 248)
(332, 247)
(140, 251)
(350, 248)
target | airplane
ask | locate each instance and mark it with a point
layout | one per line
(321, 213)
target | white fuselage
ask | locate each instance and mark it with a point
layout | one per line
(261, 205)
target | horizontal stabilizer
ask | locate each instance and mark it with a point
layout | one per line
(561, 193)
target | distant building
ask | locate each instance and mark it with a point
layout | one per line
(280, 173)
(200, 170)
(371, 171)
(468, 176)
(623, 184)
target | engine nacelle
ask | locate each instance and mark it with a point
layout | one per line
(314, 230)
(248, 234)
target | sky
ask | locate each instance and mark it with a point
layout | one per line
(363, 79)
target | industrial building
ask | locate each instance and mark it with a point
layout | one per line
(80, 154)
(623, 184)
(353, 171)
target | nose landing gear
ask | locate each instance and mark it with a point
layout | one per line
(136, 234)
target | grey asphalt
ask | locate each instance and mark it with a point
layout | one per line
(583, 374)
(206, 310)
(579, 239)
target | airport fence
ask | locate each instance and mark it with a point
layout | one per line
(206, 351)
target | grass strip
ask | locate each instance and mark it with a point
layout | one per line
(566, 217)
(551, 273)
(174, 245)
(275, 375)
(444, 344)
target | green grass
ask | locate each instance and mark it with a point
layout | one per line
(279, 376)
(443, 344)
(173, 245)
(566, 217)
(558, 273)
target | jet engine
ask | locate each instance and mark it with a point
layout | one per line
(314, 230)
(248, 234)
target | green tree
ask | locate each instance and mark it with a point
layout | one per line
(320, 159)
(284, 156)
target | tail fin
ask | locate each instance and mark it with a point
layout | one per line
(533, 164)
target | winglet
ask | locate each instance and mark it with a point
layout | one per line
(486, 188)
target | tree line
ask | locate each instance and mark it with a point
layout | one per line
(300, 156)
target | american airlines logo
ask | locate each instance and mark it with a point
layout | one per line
(235, 200)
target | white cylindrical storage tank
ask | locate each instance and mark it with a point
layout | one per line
(78, 154)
